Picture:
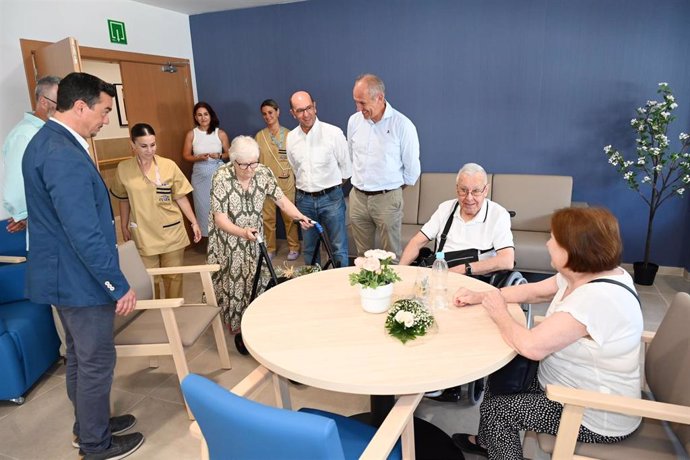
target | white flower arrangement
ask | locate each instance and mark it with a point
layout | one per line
(664, 174)
(375, 269)
(408, 319)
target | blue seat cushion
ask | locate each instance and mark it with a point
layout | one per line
(354, 435)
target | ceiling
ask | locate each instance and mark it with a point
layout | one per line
(208, 6)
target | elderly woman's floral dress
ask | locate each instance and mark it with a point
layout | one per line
(237, 256)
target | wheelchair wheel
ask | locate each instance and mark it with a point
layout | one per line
(239, 344)
(474, 391)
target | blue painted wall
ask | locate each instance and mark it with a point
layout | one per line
(526, 87)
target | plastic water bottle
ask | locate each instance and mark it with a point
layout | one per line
(439, 283)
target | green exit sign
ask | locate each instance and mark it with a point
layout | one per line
(116, 30)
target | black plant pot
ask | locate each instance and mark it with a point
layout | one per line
(644, 274)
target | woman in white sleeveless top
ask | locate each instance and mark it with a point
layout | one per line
(206, 146)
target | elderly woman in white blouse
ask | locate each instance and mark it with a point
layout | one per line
(590, 338)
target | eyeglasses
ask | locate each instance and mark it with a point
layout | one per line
(246, 166)
(477, 192)
(46, 97)
(308, 108)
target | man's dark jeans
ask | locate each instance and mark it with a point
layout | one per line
(90, 364)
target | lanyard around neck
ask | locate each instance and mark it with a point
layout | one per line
(155, 169)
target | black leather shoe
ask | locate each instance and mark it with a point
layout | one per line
(120, 447)
(462, 442)
(449, 395)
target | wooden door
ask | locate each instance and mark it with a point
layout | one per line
(162, 99)
(59, 59)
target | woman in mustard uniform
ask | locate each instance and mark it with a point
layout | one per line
(153, 197)
(272, 153)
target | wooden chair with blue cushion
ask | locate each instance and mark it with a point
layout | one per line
(233, 427)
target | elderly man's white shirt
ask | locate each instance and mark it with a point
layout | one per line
(319, 158)
(489, 231)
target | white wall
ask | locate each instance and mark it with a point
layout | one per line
(150, 30)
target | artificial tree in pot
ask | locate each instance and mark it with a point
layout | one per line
(654, 171)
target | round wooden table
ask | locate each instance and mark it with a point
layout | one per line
(313, 330)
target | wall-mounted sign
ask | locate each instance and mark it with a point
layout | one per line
(116, 30)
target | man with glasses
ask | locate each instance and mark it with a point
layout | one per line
(318, 154)
(385, 158)
(13, 149)
(477, 235)
(477, 225)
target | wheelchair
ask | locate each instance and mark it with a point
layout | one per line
(500, 279)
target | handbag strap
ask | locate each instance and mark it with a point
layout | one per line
(618, 283)
(444, 235)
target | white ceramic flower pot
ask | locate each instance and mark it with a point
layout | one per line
(376, 300)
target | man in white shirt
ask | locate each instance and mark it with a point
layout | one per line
(319, 157)
(385, 158)
(478, 224)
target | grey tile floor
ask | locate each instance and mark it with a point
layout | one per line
(41, 427)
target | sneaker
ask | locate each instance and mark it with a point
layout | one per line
(120, 447)
(118, 425)
(271, 255)
(293, 255)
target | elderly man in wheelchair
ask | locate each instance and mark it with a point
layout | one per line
(474, 234)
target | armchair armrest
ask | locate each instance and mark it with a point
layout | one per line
(647, 337)
(620, 404)
(158, 304)
(575, 401)
(12, 259)
(183, 269)
(252, 382)
(399, 421)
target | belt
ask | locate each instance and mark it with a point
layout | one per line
(320, 192)
(377, 192)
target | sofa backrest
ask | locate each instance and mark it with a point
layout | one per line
(12, 244)
(533, 197)
(12, 282)
(435, 188)
(411, 203)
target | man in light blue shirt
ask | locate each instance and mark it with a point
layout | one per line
(13, 149)
(384, 148)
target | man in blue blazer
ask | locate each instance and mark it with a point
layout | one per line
(73, 262)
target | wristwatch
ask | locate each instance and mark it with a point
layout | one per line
(468, 269)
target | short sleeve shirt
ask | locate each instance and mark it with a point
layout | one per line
(488, 232)
(608, 360)
(155, 220)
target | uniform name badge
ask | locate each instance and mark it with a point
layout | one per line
(164, 194)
